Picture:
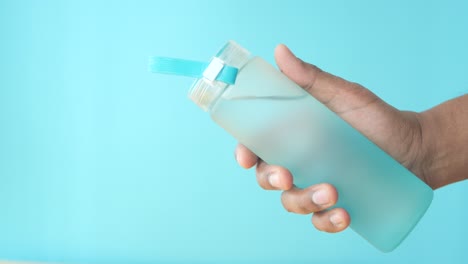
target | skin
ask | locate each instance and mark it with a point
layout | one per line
(432, 144)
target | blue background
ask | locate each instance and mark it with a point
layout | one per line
(103, 162)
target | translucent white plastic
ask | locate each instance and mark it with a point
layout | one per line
(284, 125)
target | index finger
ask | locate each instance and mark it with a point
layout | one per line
(246, 158)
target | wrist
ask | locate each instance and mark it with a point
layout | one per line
(443, 151)
(426, 162)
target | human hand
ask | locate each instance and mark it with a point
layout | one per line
(402, 134)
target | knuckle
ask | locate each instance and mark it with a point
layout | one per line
(262, 181)
(285, 202)
(304, 210)
(316, 223)
(261, 167)
(298, 201)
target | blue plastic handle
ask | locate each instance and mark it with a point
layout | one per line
(190, 68)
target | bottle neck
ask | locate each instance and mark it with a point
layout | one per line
(205, 92)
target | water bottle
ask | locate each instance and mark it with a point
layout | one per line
(284, 125)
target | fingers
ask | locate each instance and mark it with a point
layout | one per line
(314, 199)
(309, 200)
(271, 177)
(332, 221)
(246, 158)
(317, 199)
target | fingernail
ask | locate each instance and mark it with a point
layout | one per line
(273, 179)
(320, 197)
(336, 220)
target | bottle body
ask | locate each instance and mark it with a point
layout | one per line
(284, 125)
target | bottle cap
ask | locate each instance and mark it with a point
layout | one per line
(212, 77)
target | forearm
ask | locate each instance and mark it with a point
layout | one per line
(444, 143)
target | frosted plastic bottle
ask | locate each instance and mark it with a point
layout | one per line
(284, 125)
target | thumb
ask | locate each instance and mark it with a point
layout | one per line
(336, 93)
(375, 119)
